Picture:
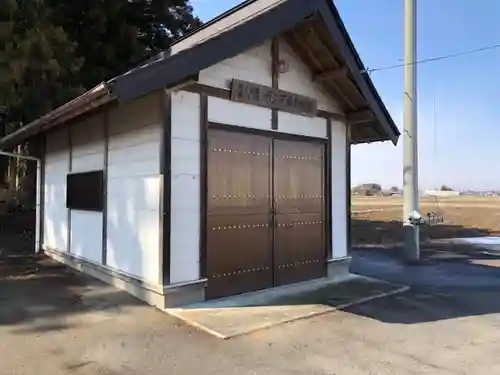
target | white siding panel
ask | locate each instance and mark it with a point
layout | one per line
(301, 125)
(89, 162)
(133, 242)
(55, 211)
(56, 215)
(135, 153)
(244, 115)
(57, 166)
(238, 114)
(133, 201)
(186, 118)
(133, 193)
(339, 207)
(57, 144)
(185, 258)
(298, 79)
(137, 115)
(136, 169)
(87, 154)
(185, 157)
(87, 137)
(185, 197)
(141, 136)
(185, 193)
(86, 235)
(253, 65)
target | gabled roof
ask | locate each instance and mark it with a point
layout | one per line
(313, 28)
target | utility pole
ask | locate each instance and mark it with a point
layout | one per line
(410, 159)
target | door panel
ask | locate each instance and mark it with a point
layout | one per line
(265, 207)
(239, 257)
(239, 233)
(299, 253)
(238, 173)
(298, 177)
(299, 238)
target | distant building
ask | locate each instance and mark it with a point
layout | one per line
(367, 190)
(441, 193)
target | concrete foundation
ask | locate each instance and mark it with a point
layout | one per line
(156, 295)
(180, 294)
(338, 268)
(185, 293)
(149, 293)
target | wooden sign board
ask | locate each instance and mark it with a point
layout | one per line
(265, 96)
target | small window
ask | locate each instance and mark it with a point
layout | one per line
(85, 191)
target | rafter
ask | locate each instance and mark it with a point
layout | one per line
(359, 117)
(331, 74)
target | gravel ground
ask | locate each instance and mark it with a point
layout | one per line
(53, 321)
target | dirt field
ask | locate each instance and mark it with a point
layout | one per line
(377, 220)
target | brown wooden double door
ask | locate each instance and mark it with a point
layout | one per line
(265, 212)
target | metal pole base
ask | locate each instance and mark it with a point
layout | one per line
(411, 249)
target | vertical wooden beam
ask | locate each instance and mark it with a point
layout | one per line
(328, 191)
(165, 185)
(41, 223)
(105, 189)
(203, 183)
(275, 58)
(272, 205)
(348, 188)
(70, 168)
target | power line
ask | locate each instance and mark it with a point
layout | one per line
(432, 59)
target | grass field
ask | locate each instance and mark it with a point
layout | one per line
(377, 220)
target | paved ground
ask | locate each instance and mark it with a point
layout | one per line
(54, 322)
(234, 316)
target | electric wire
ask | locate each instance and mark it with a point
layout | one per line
(433, 59)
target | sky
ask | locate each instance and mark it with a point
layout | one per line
(458, 98)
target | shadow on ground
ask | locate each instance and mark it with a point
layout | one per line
(450, 282)
(39, 295)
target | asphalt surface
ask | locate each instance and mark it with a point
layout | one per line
(53, 321)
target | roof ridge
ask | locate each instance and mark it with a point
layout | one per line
(213, 21)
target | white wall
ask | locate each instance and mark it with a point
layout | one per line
(238, 114)
(133, 200)
(252, 65)
(185, 193)
(339, 187)
(300, 125)
(255, 64)
(55, 214)
(87, 154)
(133, 189)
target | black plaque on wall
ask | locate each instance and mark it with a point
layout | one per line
(265, 96)
(85, 191)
